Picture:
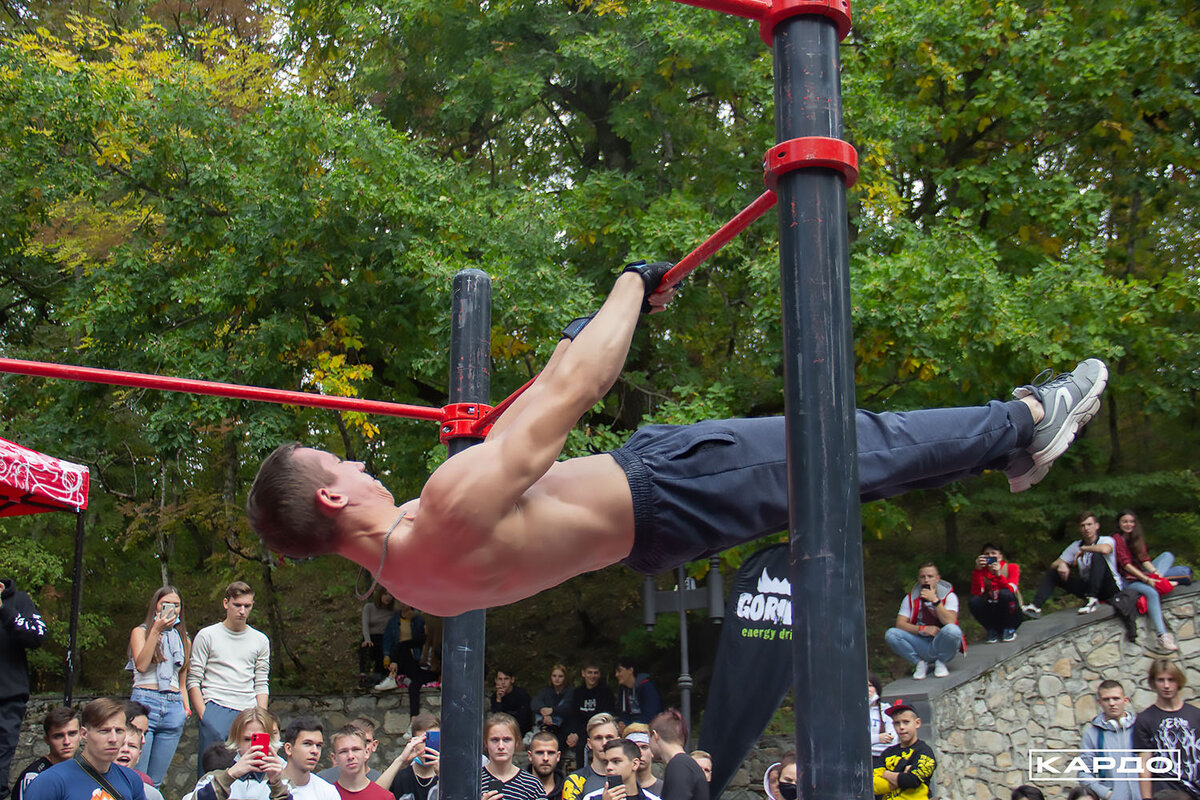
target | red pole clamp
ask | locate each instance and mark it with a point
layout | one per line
(811, 151)
(836, 10)
(462, 421)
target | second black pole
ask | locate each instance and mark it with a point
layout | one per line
(829, 647)
(463, 640)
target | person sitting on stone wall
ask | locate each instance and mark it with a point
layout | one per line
(1096, 577)
(994, 594)
(926, 629)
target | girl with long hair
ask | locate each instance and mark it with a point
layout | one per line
(159, 649)
(1145, 577)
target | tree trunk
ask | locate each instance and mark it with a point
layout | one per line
(950, 520)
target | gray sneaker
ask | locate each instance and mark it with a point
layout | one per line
(1070, 401)
(1022, 472)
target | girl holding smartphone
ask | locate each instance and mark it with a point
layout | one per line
(158, 657)
(258, 772)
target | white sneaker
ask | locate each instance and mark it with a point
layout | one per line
(386, 685)
(921, 670)
(1091, 605)
(1032, 611)
(940, 670)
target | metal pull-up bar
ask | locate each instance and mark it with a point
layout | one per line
(217, 389)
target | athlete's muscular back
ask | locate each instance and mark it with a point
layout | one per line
(502, 520)
(446, 559)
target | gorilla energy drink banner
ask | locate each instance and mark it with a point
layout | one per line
(753, 669)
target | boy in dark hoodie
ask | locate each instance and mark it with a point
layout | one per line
(637, 696)
(1112, 732)
(21, 629)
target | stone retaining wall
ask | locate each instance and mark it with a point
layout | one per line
(1042, 698)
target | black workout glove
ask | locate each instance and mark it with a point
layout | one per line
(575, 326)
(652, 274)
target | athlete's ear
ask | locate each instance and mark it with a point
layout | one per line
(330, 502)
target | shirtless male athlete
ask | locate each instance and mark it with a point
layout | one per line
(503, 520)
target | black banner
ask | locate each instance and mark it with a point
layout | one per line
(753, 669)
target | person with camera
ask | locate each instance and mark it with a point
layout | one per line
(926, 627)
(159, 649)
(257, 772)
(995, 598)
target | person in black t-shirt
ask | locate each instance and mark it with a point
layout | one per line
(512, 700)
(587, 700)
(683, 779)
(1169, 724)
(414, 773)
(60, 731)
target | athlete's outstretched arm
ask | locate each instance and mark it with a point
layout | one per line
(657, 301)
(528, 396)
(485, 481)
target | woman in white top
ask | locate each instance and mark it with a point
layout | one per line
(158, 657)
(883, 732)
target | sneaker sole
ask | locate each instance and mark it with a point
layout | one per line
(1083, 413)
(1030, 478)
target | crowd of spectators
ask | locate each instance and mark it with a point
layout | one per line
(121, 749)
(610, 740)
(93, 755)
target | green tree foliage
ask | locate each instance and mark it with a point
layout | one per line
(278, 194)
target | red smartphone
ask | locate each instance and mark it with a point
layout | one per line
(261, 741)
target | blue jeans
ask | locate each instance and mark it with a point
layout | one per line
(166, 726)
(214, 727)
(1164, 563)
(1153, 603)
(913, 647)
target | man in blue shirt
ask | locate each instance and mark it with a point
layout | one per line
(91, 774)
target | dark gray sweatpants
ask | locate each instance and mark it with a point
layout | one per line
(703, 488)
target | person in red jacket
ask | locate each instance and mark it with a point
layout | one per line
(994, 594)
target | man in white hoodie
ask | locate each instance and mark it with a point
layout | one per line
(1109, 774)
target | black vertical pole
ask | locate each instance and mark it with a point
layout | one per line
(832, 750)
(463, 641)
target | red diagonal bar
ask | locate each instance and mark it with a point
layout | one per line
(117, 378)
(752, 9)
(762, 204)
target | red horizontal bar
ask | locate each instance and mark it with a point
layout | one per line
(752, 9)
(763, 203)
(232, 390)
